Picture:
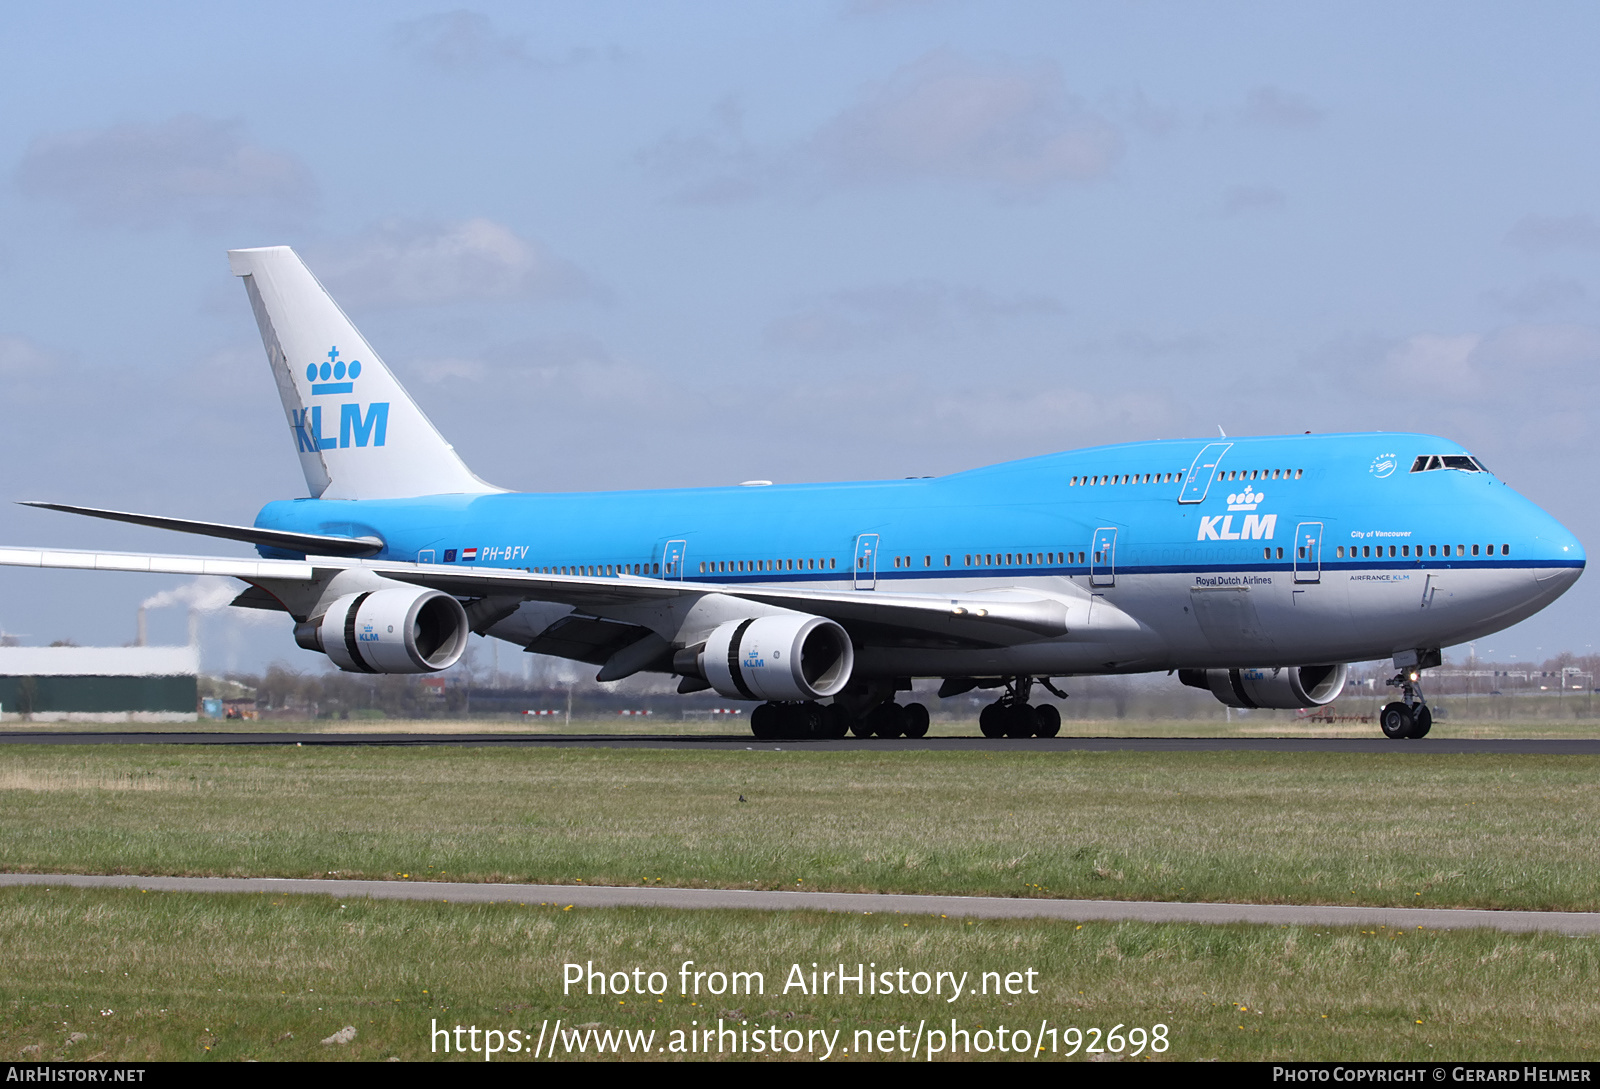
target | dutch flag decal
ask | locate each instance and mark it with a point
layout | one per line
(468, 555)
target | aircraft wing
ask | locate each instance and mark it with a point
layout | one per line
(999, 617)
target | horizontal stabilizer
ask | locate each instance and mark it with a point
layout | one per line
(311, 544)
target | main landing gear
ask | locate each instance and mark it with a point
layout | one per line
(1012, 716)
(1409, 715)
(812, 721)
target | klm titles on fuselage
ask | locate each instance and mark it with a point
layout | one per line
(335, 376)
(1256, 527)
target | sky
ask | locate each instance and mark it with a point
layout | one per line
(679, 244)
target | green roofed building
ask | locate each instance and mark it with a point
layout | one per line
(99, 684)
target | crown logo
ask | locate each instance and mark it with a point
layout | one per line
(333, 375)
(1248, 499)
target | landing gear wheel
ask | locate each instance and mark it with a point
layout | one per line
(1020, 720)
(1397, 722)
(807, 721)
(1048, 719)
(764, 721)
(835, 722)
(887, 720)
(991, 721)
(1421, 722)
(914, 722)
(861, 727)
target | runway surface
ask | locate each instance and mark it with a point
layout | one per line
(1425, 746)
(985, 907)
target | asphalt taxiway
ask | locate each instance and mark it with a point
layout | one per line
(856, 903)
(1376, 745)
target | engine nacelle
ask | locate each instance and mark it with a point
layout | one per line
(788, 657)
(389, 631)
(1287, 688)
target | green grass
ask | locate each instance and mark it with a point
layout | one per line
(1436, 831)
(165, 976)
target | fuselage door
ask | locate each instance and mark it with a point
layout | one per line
(865, 572)
(1198, 480)
(672, 559)
(1308, 552)
(425, 556)
(1103, 557)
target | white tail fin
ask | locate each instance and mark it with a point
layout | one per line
(358, 433)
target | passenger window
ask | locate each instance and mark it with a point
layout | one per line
(1474, 550)
(1405, 550)
(1298, 473)
(1505, 550)
(1339, 552)
(1461, 550)
(947, 561)
(1280, 553)
(1433, 550)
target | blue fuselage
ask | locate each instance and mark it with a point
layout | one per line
(1251, 551)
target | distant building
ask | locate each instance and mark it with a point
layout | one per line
(99, 684)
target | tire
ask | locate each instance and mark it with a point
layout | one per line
(1396, 721)
(809, 720)
(888, 720)
(1049, 720)
(766, 721)
(1421, 722)
(990, 721)
(915, 720)
(861, 727)
(1021, 721)
(835, 723)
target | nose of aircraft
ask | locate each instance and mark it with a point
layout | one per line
(1558, 557)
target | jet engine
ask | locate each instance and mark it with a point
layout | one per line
(389, 631)
(786, 657)
(1285, 688)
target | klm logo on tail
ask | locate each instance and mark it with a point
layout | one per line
(332, 376)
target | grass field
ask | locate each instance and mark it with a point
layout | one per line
(1437, 831)
(130, 976)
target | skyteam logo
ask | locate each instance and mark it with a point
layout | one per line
(334, 375)
(1384, 465)
(1256, 527)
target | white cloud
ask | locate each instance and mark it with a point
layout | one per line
(399, 262)
(1541, 233)
(1275, 108)
(190, 169)
(877, 314)
(1006, 123)
(22, 358)
(1248, 199)
(1542, 296)
(459, 41)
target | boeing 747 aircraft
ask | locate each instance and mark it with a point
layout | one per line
(1254, 568)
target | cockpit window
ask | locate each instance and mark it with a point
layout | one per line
(1427, 463)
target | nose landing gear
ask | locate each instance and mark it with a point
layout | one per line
(1012, 716)
(1409, 716)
